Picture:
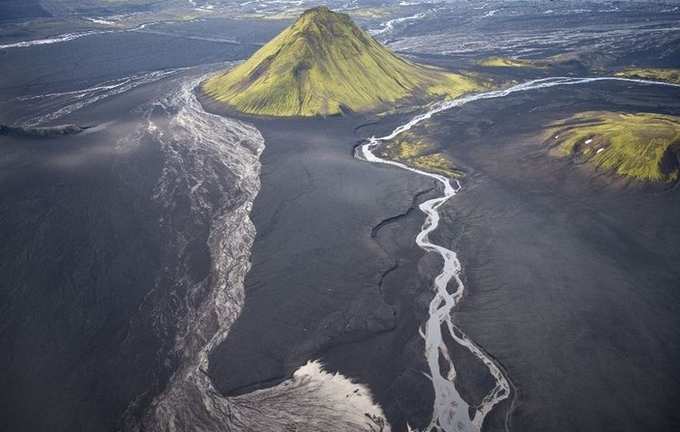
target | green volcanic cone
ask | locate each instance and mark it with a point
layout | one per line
(324, 64)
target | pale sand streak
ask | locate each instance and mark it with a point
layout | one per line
(451, 411)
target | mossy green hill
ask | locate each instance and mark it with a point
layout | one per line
(324, 64)
(643, 146)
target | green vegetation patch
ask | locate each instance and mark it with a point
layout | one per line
(643, 146)
(588, 60)
(656, 74)
(511, 63)
(418, 153)
(323, 64)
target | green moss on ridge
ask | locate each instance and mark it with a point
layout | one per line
(508, 62)
(657, 74)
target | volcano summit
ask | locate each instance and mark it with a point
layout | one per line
(324, 64)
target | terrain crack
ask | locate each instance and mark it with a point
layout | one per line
(393, 219)
(257, 385)
(388, 221)
(384, 274)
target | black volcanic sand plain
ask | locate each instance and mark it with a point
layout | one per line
(334, 273)
(74, 214)
(572, 277)
(572, 274)
(92, 264)
(91, 267)
(81, 246)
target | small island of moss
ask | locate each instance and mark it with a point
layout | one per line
(418, 153)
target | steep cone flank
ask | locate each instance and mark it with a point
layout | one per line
(324, 64)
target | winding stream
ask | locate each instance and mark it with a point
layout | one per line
(450, 411)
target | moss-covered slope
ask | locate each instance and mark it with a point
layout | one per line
(323, 64)
(659, 74)
(643, 146)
